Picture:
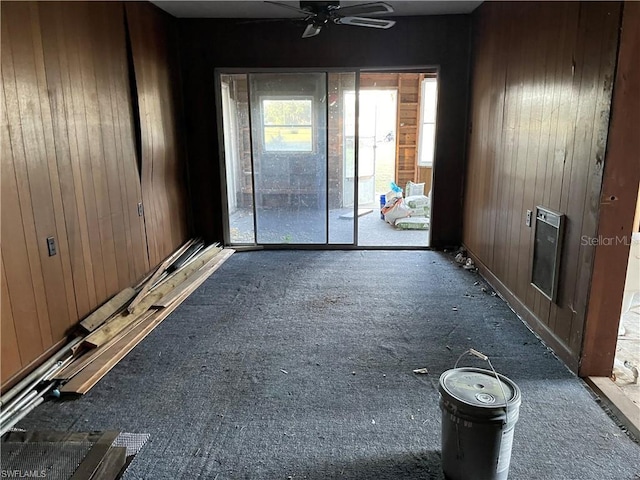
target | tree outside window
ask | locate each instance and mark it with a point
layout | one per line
(288, 125)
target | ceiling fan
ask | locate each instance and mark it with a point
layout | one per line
(318, 14)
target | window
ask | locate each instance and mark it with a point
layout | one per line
(287, 125)
(428, 108)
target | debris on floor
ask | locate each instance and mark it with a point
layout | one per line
(465, 261)
(110, 332)
(421, 371)
(411, 212)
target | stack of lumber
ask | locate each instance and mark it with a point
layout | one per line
(115, 328)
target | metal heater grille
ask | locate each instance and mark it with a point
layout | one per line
(547, 252)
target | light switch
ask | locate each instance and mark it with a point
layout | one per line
(51, 246)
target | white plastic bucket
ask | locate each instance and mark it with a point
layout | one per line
(477, 423)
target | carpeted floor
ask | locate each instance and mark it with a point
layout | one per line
(298, 364)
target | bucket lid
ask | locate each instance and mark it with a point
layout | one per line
(477, 387)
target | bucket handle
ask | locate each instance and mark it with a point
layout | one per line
(482, 356)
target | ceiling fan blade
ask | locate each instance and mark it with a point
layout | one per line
(284, 5)
(311, 30)
(366, 22)
(376, 8)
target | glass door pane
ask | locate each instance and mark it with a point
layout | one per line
(289, 145)
(342, 130)
(377, 162)
(237, 155)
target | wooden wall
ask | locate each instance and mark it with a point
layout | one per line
(69, 171)
(440, 41)
(153, 36)
(618, 204)
(407, 119)
(541, 92)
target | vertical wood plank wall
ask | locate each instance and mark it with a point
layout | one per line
(541, 93)
(155, 61)
(407, 86)
(618, 205)
(69, 171)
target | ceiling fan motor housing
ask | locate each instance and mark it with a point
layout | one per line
(318, 7)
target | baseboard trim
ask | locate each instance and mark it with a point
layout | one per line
(23, 372)
(527, 316)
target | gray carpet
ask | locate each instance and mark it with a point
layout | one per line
(298, 364)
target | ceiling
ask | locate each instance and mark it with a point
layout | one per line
(258, 9)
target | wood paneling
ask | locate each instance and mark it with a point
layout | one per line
(407, 86)
(69, 171)
(541, 91)
(88, 85)
(617, 200)
(439, 41)
(155, 60)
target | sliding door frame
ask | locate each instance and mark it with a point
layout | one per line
(219, 72)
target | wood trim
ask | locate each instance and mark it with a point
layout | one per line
(7, 383)
(527, 316)
(636, 220)
(617, 207)
(621, 405)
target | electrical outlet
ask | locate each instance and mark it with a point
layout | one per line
(51, 246)
(527, 220)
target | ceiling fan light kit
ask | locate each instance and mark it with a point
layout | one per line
(318, 14)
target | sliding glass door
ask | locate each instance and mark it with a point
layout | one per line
(285, 160)
(308, 156)
(289, 147)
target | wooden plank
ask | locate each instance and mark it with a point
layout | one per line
(108, 358)
(159, 271)
(617, 206)
(95, 457)
(112, 328)
(108, 309)
(118, 323)
(112, 464)
(196, 279)
(619, 403)
(89, 356)
(593, 213)
(175, 279)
